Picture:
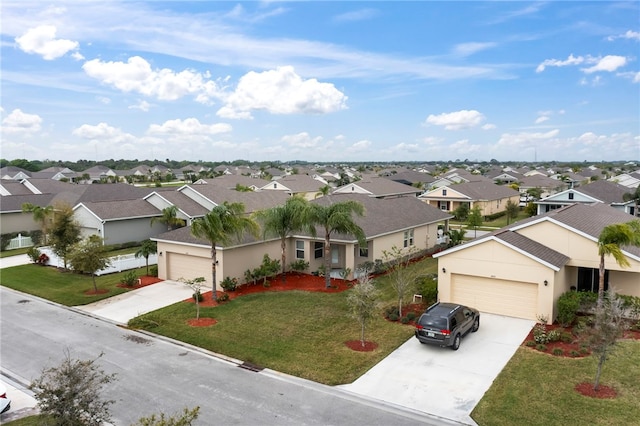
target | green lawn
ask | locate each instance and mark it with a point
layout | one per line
(538, 389)
(65, 288)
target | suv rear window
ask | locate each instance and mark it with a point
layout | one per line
(434, 321)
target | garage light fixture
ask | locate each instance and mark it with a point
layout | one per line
(444, 271)
(546, 283)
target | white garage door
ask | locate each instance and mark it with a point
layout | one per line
(187, 267)
(510, 298)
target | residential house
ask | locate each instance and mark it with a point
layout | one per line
(378, 187)
(630, 180)
(306, 186)
(599, 191)
(401, 222)
(521, 270)
(14, 173)
(489, 197)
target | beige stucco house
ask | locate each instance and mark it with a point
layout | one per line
(401, 222)
(521, 270)
(486, 195)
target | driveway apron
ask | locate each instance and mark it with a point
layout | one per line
(443, 382)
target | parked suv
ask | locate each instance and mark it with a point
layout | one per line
(444, 324)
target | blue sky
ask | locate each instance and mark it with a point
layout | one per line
(321, 81)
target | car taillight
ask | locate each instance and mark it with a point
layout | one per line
(4, 395)
(445, 332)
(419, 327)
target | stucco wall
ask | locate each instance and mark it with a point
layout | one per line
(17, 222)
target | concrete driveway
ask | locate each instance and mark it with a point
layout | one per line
(125, 306)
(440, 381)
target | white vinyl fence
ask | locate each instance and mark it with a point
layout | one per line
(118, 263)
(19, 242)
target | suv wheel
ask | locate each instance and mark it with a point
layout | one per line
(476, 325)
(456, 342)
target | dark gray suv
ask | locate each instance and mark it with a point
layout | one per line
(444, 324)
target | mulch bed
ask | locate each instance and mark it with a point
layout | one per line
(603, 392)
(356, 345)
(145, 280)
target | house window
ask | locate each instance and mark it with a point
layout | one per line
(299, 249)
(444, 205)
(275, 186)
(364, 251)
(444, 192)
(318, 250)
(571, 195)
(408, 238)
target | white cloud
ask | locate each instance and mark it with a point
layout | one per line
(523, 140)
(571, 60)
(466, 49)
(137, 76)
(281, 91)
(488, 126)
(356, 15)
(360, 146)
(464, 119)
(42, 41)
(630, 35)
(142, 105)
(302, 140)
(101, 131)
(541, 119)
(103, 100)
(188, 127)
(20, 122)
(609, 63)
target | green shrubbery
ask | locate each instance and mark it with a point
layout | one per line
(130, 279)
(229, 284)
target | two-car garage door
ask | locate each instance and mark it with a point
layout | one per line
(510, 298)
(187, 267)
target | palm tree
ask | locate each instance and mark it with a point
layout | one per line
(147, 248)
(283, 220)
(170, 218)
(338, 218)
(218, 226)
(41, 215)
(611, 238)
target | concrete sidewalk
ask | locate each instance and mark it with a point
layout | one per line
(9, 261)
(123, 307)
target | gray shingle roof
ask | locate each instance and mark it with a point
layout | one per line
(534, 248)
(605, 191)
(112, 210)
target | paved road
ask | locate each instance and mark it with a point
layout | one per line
(159, 375)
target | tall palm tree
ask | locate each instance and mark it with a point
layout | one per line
(611, 239)
(170, 218)
(282, 221)
(335, 217)
(41, 215)
(219, 226)
(147, 248)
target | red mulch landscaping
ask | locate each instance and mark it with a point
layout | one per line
(603, 392)
(201, 322)
(356, 345)
(304, 282)
(145, 280)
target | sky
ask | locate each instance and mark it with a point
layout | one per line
(326, 81)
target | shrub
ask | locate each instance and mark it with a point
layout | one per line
(553, 336)
(530, 343)
(584, 351)
(299, 265)
(568, 306)
(391, 310)
(411, 315)
(428, 288)
(198, 296)
(43, 259)
(558, 351)
(405, 320)
(229, 284)
(631, 304)
(153, 271)
(393, 317)
(129, 279)
(540, 333)
(223, 297)
(34, 254)
(574, 353)
(566, 337)
(541, 347)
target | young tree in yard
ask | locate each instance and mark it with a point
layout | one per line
(362, 300)
(512, 210)
(611, 238)
(195, 285)
(475, 219)
(147, 248)
(218, 226)
(608, 327)
(89, 256)
(69, 395)
(281, 221)
(65, 232)
(403, 277)
(456, 236)
(186, 418)
(42, 215)
(170, 218)
(335, 217)
(462, 212)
